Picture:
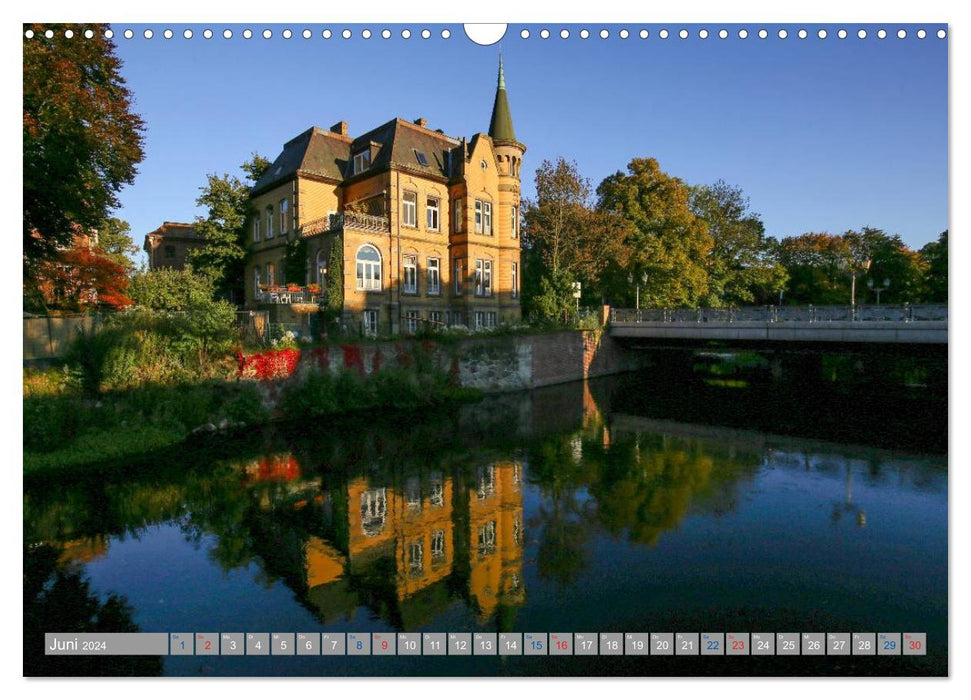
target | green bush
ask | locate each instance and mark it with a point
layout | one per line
(140, 345)
(399, 388)
(353, 391)
(207, 328)
(245, 405)
(52, 421)
(315, 394)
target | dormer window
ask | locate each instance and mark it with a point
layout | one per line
(362, 161)
(422, 158)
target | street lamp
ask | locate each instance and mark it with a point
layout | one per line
(878, 288)
(637, 289)
(864, 266)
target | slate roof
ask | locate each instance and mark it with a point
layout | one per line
(315, 151)
(399, 143)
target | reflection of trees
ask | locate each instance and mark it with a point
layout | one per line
(563, 522)
(651, 492)
(641, 485)
(60, 600)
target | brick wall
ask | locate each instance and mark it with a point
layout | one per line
(493, 364)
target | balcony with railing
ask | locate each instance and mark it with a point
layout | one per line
(347, 220)
(288, 294)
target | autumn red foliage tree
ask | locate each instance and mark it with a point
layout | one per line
(81, 139)
(82, 277)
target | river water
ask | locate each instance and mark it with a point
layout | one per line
(605, 506)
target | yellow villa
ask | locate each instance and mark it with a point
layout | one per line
(426, 225)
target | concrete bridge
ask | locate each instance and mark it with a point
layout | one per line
(900, 324)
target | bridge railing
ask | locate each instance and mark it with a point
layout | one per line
(901, 313)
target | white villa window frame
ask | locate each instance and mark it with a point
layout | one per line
(256, 228)
(412, 318)
(269, 222)
(457, 214)
(362, 161)
(514, 221)
(457, 276)
(369, 323)
(256, 282)
(433, 275)
(433, 210)
(409, 274)
(478, 216)
(483, 277)
(487, 218)
(367, 269)
(514, 281)
(284, 210)
(409, 209)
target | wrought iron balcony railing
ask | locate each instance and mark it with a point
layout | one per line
(349, 219)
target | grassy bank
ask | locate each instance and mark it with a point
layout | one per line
(64, 428)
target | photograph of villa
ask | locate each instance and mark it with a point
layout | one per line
(427, 225)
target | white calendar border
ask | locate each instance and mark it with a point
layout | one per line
(507, 10)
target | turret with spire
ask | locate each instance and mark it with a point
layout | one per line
(508, 150)
(500, 128)
(509, 156)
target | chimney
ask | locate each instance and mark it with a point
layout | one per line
(421, 121)
(340, 128)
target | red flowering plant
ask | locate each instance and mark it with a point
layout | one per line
(271, 364)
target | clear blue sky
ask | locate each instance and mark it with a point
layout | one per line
(822, 135)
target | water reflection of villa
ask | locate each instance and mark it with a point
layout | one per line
(413, 544)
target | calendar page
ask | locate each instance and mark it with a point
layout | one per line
(431, 349)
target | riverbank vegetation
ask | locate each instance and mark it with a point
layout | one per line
(173, 365)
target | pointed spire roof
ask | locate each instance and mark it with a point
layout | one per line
(500, 128)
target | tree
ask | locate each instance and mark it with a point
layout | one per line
(565, 239)
(890, 261)
(665, 239)
(80, 278)
(741, 268)
(81, 139)
(563, 226)
(934, 257)
(255, 167)
(181, 302)
(222, 257)
(817, 264)
(170, 290)
(116, 244)
(555, 302)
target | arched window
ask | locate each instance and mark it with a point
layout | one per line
(368, 268)
(320, 267)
